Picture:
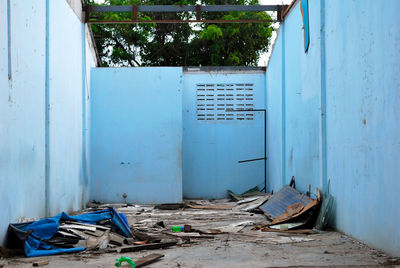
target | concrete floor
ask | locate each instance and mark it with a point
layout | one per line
(245, 248)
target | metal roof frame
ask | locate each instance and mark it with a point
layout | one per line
(134, 9)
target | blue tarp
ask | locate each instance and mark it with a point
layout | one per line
(35, 234)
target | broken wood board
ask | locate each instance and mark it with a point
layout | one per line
(216, 207)
(100, 227)
(133, 248)
(235, 227)
(247, 200)
(299, 231)
(146, 260)
(116, 239)
(189, 235)
(68, 234)
(252, 205)
(145, 237)
(96, 233)
(77, 226)
(98, 242)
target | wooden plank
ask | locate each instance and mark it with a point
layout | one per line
(68, 234)
(210, 207)
(100, 227)
(97, 233)
(40, 263)
(79, 227)
(148, 259)
(133, 248)
(117, 239)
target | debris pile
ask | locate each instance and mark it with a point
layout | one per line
(250, 216)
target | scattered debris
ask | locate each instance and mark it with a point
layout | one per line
(66, 234)
(255, 216)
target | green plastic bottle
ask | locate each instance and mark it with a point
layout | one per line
(177, 229)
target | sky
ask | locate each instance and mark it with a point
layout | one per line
(263, 61)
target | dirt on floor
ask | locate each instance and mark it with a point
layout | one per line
(234, 245)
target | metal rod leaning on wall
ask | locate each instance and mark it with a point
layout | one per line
(265, 143)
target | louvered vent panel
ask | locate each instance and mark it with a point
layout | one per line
(214, 102)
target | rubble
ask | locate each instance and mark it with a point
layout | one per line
(250, 218)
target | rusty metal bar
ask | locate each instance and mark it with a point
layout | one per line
(174, 8)
(198, 11)
(134, 12)
(279, 13)
(177, 21)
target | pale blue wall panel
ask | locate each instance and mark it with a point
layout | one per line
(136, 134)
(363, 118)
(356, 66)
(22, 179)
(23, 109)
(65, 68)
(274, 117)
(302, 100)
(212, 149)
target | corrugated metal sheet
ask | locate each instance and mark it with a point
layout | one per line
(278, 202)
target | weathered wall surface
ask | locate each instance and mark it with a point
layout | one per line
(32, 73)
(340, 106)
(136, 135)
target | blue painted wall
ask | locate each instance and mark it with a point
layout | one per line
(274, 118)
(22, 109)
(136, 135)
(23, 125)
(65, 74)
(340, 106)
(212, 149)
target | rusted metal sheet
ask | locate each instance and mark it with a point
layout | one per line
(287, 204)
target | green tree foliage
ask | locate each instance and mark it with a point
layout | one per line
(182, 44)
